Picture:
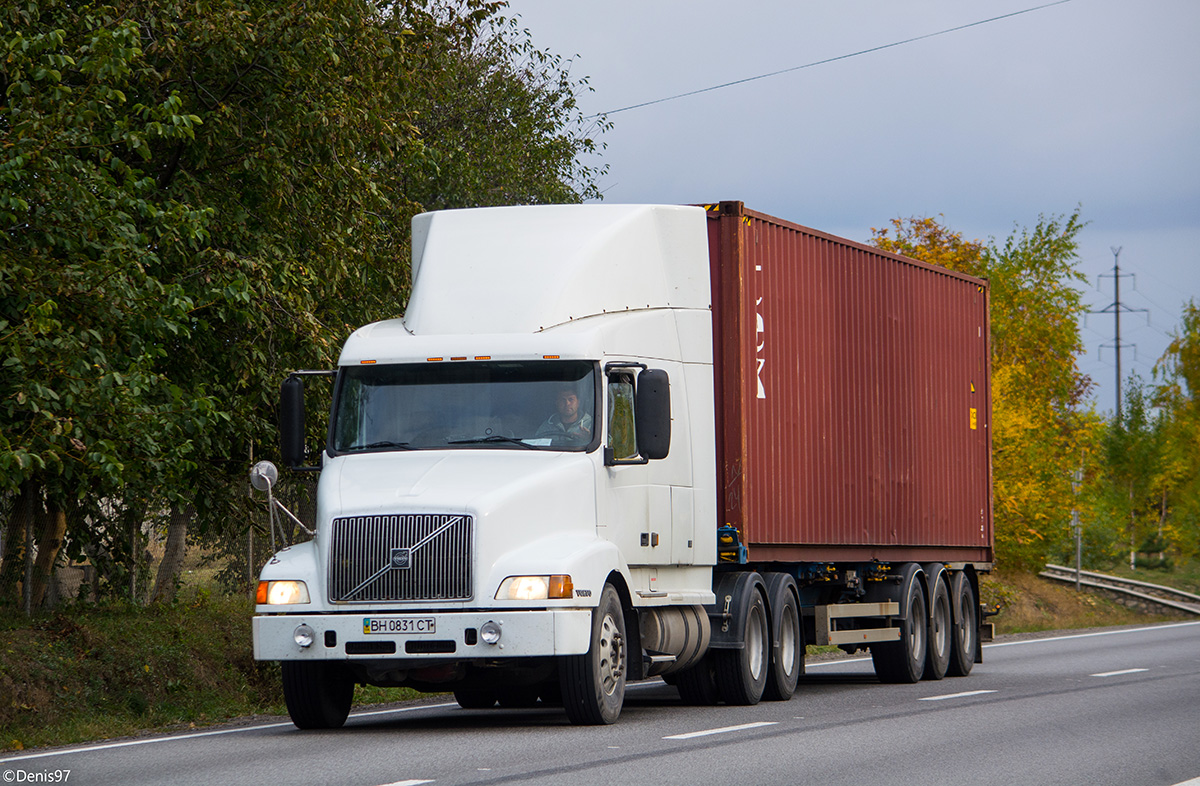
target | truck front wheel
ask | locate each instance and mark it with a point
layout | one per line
(318, 693)
(593, 684)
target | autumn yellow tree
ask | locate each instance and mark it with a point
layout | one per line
(1039, 431)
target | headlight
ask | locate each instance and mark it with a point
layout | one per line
(535, 588)
(281, 593)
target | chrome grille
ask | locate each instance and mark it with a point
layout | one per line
(386, 558)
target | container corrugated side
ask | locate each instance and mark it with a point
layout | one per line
(852, 397)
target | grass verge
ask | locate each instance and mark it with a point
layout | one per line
(1030, 604)
(95, 672)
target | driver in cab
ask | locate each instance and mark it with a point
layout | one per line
(568, 421)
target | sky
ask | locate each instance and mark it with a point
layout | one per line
(1088, 104)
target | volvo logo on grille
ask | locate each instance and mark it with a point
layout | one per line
(401, 558)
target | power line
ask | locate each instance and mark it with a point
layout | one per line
(825, 61)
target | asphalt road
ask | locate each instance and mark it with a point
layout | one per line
(1120, 706)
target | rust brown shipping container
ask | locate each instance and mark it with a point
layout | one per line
(853, 397)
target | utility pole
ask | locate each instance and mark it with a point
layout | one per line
(1116, 307)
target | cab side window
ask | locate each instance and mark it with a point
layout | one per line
(622, 436)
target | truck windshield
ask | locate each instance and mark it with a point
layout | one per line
(520, 405)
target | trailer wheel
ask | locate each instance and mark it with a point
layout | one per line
(697, 685)
(964, 638)
(318, 693)
(475, 699)
(593, 684)
(787, 639)
(742, 673)
(938, 646)
(904, 660)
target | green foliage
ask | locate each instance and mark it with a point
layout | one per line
(1176, 396)
(1132, 447)
(498, 117)
(1147, 486)
(84, 320)
(196, 199)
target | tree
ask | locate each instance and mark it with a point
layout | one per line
(1132, 449)
(1178, 372)
(195, 199)
(1039, 435)
(498, 118)
(84, 320)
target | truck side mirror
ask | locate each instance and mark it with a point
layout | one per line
(652, 408)
(291, 421)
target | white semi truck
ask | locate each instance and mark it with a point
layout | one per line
(610, 443)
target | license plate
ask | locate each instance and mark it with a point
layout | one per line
(399, 625)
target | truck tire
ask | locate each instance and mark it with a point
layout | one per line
(741, 674)
(964, 613)
(787, 638)
(475, 699)
(593, 684)
(697, 685)
(937, 649)
(904, 661)
(318, 693)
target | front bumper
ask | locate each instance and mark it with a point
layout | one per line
(454, 635)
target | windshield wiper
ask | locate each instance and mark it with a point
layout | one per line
(494, 438)
(383, 444)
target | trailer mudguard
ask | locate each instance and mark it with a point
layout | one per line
(895, 587)
(934, 572)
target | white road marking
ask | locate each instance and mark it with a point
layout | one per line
(196, 735)
(843, 661)
(837, 662)
(1091, 635)
(722, 730)
(402, 709)
(1115, 673)
(964, 694)
(1192, 782)
(407, 783)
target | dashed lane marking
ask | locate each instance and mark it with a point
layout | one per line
(962, 695)
(722, 730)
(1117, 673)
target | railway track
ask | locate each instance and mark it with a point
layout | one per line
(1128, 591)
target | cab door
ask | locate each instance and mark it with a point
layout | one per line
(644, 509)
